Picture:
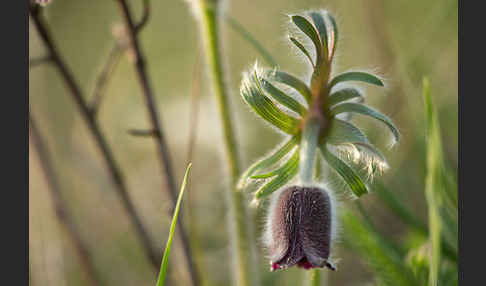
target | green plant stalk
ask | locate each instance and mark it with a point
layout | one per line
(308, 149)
(314, 277)
(239, 226)
(310, 137)
(433, 185)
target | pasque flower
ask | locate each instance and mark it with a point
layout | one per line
(314, 117)
(299, 229)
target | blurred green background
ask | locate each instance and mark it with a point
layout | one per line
(403, 40)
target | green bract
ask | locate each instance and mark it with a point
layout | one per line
(266, 92)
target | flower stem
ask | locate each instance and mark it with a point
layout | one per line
(314, 277)
(310, 137)
(308, 148)
(239, 226)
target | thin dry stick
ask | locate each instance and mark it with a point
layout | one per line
(104, 76)
(98, 135)
(113, 59)
(63, 215)
(162, 149)
(38, 61)
(145, 16)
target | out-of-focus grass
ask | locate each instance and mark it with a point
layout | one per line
(430, 259)
(422, 38)
(165, 258)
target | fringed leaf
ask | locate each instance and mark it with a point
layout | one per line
(356, 76)
(347, 173)
(290, 80)
(366, 110)
(270, 160)
(344, 132)
(320, 23)
(307, 28)
(342, 95)
(302, 49)
(333, 35)
(283, 98)
(285, 173)
(253, 94)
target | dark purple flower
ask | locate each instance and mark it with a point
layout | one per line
(299, 229)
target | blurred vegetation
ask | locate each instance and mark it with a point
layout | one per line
(402, 40)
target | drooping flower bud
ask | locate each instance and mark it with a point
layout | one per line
(299, 228)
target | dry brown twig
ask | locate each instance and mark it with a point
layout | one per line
(162, 149)
(95, 130)
(63, 215)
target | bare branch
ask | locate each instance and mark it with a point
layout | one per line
(142, 132)
(104, 76)
(98, 135)
(163, 152)
(62, 213)
(145, 16)
(35, 62)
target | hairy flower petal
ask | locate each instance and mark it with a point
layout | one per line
(300, 228)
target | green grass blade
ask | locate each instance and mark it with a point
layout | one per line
(399, 249)
(254, 96)
(283, 98)
(344, 132)
(302, 49)
(235, 25)
(343, 95)
(407, 216)
(385, 262)
(433, 185)
(450, 183)
(309, 30)
(347, 173)
(357, 76)
(290, 80)
(366, 110)
(395, 204)
(165, 259)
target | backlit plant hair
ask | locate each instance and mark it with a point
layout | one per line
(313, 124)
(325, 99)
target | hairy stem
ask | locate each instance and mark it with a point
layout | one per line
(163, 152)
(64, 217)
(94, 128)
(239, 225)
(310, 137)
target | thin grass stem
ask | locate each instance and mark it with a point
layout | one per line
(240, 223)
